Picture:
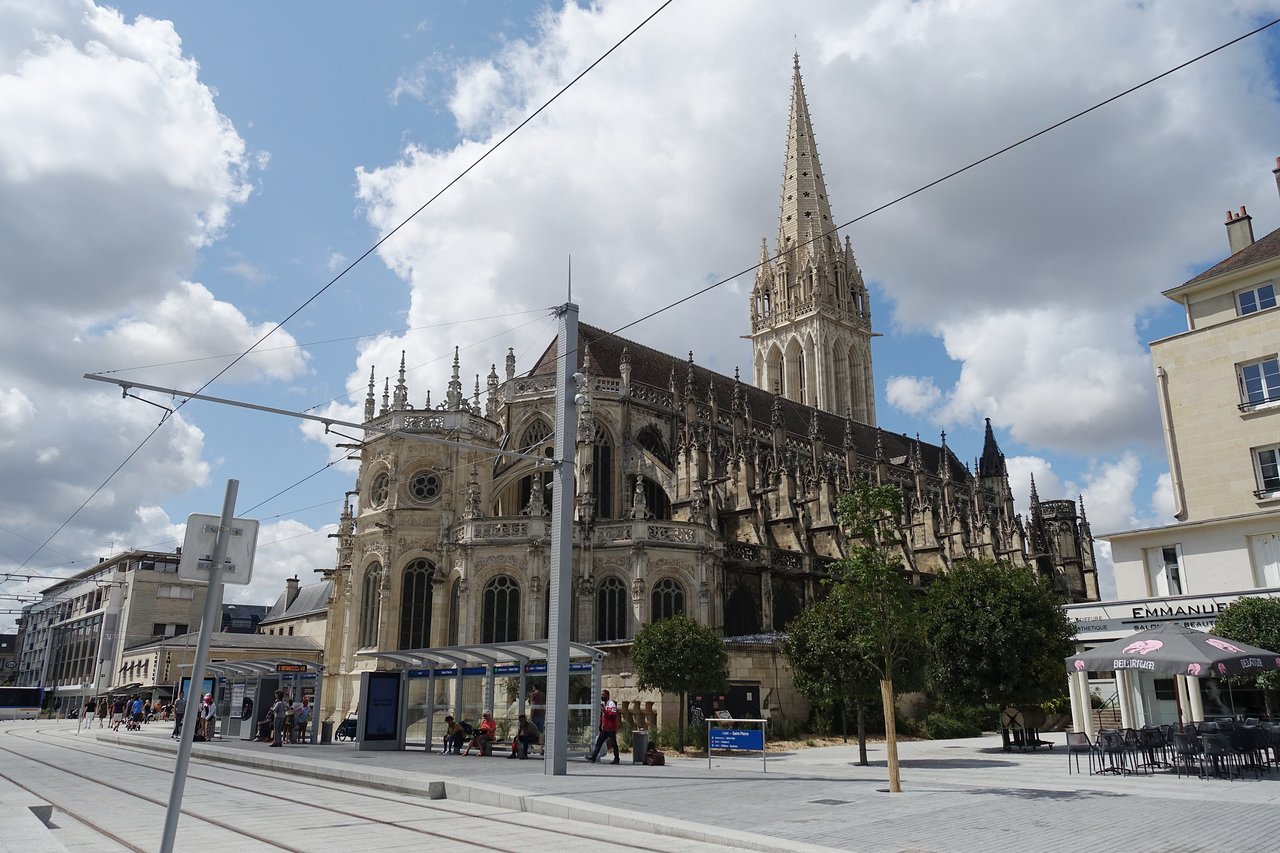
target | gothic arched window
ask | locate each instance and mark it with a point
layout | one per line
(668, 600)
(611, 610)
(651, 440)
(741, 607)
(602, 474)
(655, 498)
(786, 605)
(535, 435)
(501, 619)
(415, 605)
(370, 592)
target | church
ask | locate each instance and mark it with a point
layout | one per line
(697, 493)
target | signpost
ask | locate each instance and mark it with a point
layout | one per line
(736, 737)
(212, 544)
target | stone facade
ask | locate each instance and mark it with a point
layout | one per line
(696, 492)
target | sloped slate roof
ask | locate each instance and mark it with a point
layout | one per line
(228, 640)
(653, 367)
(1257, 252)
(312, 598)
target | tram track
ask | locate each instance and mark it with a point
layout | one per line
(514, 819)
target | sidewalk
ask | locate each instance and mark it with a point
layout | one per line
(962, 795)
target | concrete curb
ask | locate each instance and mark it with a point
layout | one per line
(478, 793)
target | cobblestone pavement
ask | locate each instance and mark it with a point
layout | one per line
(959, 796)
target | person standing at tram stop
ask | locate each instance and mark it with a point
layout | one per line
(179, 711)
(608, 728)
(278, 711)
(90, 711)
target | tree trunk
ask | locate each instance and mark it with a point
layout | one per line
(680, 715)
(862, 734)
(890, 735)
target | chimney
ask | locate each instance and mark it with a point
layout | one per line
(290, 591)
(1239, 230)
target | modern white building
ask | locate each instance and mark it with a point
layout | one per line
(1218, 387)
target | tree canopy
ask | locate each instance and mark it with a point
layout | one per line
(997, 635)
(827, 664)
(1255, 621)
(680, 655)
(881, 601)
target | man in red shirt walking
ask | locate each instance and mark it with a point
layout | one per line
(608, 728)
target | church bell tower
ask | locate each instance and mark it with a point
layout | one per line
(810, 312)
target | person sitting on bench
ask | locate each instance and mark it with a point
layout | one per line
(453, 735)
(526, 736)
(485, 735)
(264, 727)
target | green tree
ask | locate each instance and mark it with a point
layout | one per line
(997, 635)
(882, 603)
(1255, 621)
(826, 664)
(679, 655)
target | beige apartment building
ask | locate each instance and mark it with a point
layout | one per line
(1218, 387)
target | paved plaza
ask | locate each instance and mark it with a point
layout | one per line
(962, 795)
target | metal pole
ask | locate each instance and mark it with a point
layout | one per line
(212, 608)
(557, 733)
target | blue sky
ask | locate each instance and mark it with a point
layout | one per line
(189, 177)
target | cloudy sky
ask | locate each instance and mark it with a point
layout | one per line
(178, 178)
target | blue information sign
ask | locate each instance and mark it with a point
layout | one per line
(752, 739)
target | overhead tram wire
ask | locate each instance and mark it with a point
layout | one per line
(365, 336)
(953, 174)
(350, 267)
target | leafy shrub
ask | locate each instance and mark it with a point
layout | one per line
(1058, 705)
(1095, 701)
(781, 728)
(940, 726)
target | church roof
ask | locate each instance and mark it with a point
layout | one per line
(1255, 253)
(654, 368)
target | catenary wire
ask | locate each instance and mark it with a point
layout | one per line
(262, 350)
(952, 174)
(348, 268)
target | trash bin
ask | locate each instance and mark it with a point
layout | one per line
(639, 745)
(326, 731)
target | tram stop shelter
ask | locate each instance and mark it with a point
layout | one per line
(246, 689)
(404, 703)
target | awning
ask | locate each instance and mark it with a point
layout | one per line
(1175, 650)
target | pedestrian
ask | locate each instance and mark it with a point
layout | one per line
(485, 735)
(117, 713)
(90, 711)
(179, 711)
(137, 715)
(453, 735)
(279, 710)
(301, 716)
(608, 728)
(104, 711)
(208, 717)
(538, 708)
(526, 736)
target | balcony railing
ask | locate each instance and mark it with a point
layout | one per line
(530, 528)
(1251, 405)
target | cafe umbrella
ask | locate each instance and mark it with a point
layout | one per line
(1173, 649)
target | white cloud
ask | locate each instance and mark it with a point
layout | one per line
(912, 394)
(1162, 503)
(116, 169)
(1075, 381)
(336, 261)
(1032, 269)
(286, 549)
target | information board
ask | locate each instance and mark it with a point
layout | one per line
(751, 739)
